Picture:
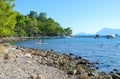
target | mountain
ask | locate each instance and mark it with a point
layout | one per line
(108, 31)
(82, 34)
(104, 31)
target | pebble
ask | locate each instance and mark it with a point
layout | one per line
(28, 55)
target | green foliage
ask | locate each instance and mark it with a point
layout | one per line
(39, 25)
(42, 17)
(68, 31)
(32, 14)
(15, 24)
(32, 27)
(20, 25)
(7, 18)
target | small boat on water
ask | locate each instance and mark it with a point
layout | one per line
(67, 36)
(64, 36)
(111, 36)
(40, 43)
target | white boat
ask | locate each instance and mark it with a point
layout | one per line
(111, 36)
(68, 37)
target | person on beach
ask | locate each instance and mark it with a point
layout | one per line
(41, 41)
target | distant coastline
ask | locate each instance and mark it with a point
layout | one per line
(8, 39)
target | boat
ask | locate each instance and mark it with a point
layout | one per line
(111, 36)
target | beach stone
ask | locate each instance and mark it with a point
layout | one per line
(83, 76)
(79, 69)
(29, 62)
(70, 72)
(41, 77)
(78, 57)
(33, 76)
(28, 55)
(6, 44)
(90, 73)
(49, 64)
(10, 56)
(75, 71)
(2, 50)
(83, 61)
(72, 64)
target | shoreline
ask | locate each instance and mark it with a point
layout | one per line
(67, 66)
(7, 39)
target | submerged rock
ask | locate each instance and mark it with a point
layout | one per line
(71, 54)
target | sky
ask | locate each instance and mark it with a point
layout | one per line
(83, 16)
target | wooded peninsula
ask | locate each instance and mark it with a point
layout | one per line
(13, 23)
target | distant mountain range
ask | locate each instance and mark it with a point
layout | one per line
(83, 34)
(108, 31)
(104, 31)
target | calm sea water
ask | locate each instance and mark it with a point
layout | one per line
(104, 51)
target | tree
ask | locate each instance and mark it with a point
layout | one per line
(59, 31)
(42, 17)
(32, 27)
(50, 27)
(32, 14)
(7, 18)
(68, 31)
(20, 25)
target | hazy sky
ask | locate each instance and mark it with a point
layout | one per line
(87, 16)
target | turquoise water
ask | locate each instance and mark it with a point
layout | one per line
(104, 51)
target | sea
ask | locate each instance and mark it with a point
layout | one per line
(104, 51)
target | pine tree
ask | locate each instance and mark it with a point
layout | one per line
(7, 18)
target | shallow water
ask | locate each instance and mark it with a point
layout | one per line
(104, 51)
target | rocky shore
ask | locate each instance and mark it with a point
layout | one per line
(24, 63)
(10, 39)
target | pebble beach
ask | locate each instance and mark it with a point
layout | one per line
(24, 63)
